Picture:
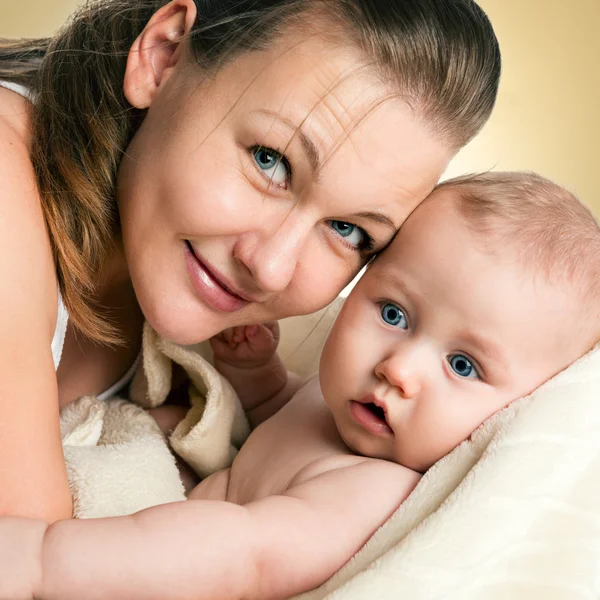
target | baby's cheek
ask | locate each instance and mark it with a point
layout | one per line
(324, 383)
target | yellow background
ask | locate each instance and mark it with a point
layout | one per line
(547, 117)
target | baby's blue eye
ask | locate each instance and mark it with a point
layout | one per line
(462, 366)
(273, 164)
(392, 315)
(352, 234)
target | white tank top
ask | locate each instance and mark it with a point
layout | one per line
(62, 316)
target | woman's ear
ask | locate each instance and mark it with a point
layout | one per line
(156, 51)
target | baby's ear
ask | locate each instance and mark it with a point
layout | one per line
(156, 51)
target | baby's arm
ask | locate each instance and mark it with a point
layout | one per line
(271, 548)
(247, 358)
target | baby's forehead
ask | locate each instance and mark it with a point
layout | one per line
(420, 228)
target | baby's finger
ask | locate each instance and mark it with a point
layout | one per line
(273, 327)
(228, 334)
(260, 339)
(220, 346)
(239, 334)
(251, 331)
(219, 336)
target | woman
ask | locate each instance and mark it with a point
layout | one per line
(204, 165)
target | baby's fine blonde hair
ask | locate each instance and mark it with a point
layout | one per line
(544, 225)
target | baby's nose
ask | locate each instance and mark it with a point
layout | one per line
(399, 373)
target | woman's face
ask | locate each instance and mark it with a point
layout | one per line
(260, 193)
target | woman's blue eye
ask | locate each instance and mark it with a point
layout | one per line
(352, 234)
(392, 315)
(462, 366)
(273, 164)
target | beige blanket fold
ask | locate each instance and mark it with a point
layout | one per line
(215, 427)
(117, 458)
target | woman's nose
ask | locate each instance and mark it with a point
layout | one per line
(272, 254)
(401, 372)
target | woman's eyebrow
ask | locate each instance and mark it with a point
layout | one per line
(314, 158)
(377, 218)
(311, 150)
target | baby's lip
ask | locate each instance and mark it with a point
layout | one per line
(373, 399)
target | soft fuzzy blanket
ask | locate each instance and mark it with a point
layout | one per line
(117, 458)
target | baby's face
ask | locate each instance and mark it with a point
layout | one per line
(438, 336)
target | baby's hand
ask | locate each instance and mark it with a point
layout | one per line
(248, 346)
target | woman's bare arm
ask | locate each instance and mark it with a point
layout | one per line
(33, 478)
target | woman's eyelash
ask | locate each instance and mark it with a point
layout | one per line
(281, 158)
(367, 244)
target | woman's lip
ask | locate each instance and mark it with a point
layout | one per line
(209, 287)
(221, 279)
(367, 419)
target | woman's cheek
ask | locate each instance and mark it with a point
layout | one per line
(320, 277)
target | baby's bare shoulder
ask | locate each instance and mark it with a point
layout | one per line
(353, 482)
(352, 498)
(352, 468)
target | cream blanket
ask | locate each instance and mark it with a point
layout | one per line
(117, 458)
(513, 513)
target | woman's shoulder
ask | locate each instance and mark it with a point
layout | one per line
(15, 113)
(29, 288)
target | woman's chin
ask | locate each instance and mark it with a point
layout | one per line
(184, 325)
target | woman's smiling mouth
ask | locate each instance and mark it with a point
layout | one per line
(210, 286)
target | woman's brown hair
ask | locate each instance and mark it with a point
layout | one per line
(441, 54)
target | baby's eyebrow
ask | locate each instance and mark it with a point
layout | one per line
(486, 346)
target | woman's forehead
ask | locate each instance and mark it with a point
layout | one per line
(306, 77)
(344, 116)
(365, 147)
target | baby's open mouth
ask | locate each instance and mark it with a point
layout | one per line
(371, 416)
(377, 411)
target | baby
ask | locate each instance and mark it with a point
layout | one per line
(490, 288)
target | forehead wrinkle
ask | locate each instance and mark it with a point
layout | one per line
(314, 156)
(328, 93)
(310, 148)
(246, 89)
(347, 134)
(348, 137)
